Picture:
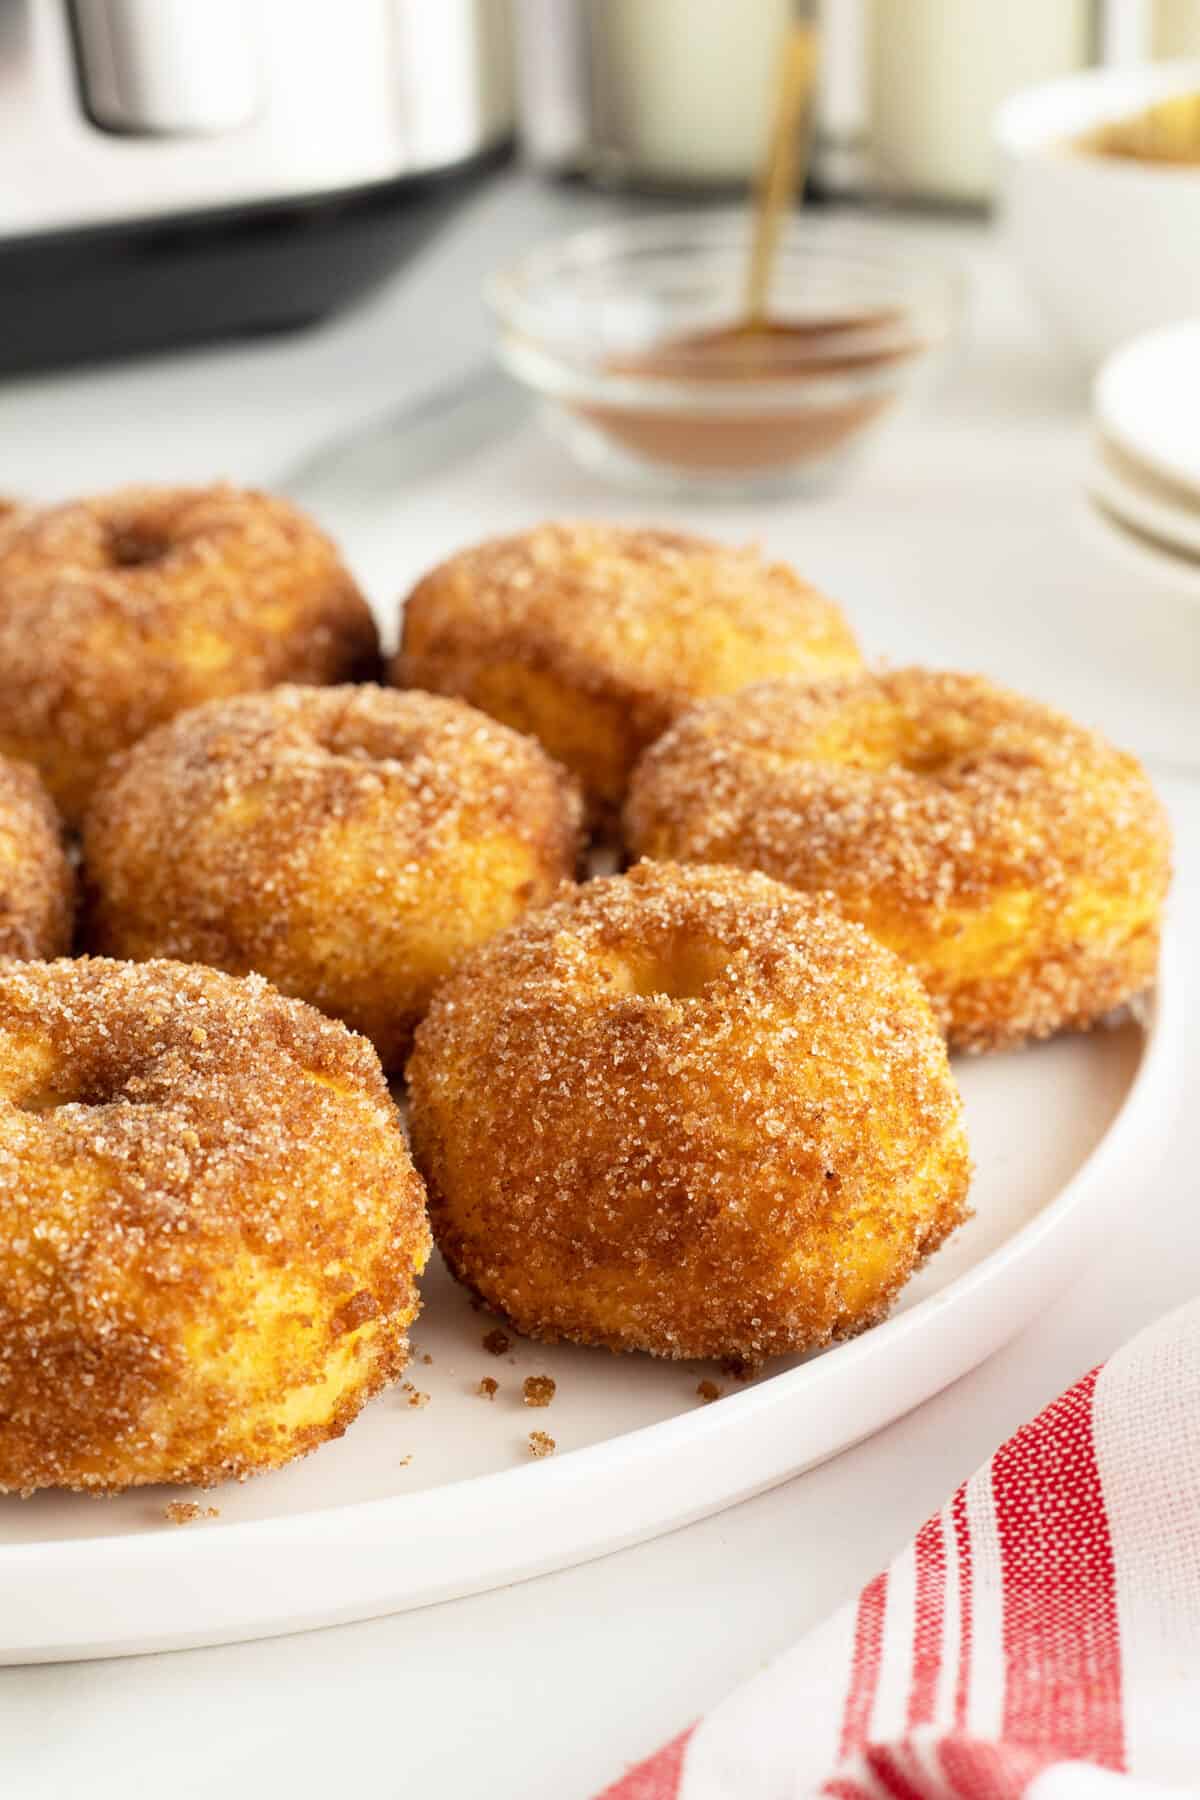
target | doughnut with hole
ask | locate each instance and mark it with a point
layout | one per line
(1016, 860)
(717, 1119)
(211, 1227)
(118, 612)
(350, 843)
(593, 638)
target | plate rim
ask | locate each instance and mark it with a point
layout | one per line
(1170, 525)
(1172, 572)
(1112, 377)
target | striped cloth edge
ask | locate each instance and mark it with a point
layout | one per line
(1039, 1637)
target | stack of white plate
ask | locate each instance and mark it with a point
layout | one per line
(1144, 477)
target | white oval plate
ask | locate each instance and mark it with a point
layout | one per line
(419, 1503)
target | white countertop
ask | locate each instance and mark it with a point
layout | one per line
(960, 541)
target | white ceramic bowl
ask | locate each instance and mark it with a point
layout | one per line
(1111, 247)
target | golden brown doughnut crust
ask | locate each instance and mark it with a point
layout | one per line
(351, 844)
(118, 612)
(592, 637)
(1018, 861)
(209, 1226)
(718, 1119)
(37, 882)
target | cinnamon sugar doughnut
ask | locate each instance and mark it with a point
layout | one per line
(210, 1226)
(37, 883)
(718, 1119)
(592, 638)
(116, 613)
(1016, 860)
(351, 843)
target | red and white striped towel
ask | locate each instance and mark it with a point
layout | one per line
(1040, 1637)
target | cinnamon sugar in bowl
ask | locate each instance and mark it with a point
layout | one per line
(631, 335)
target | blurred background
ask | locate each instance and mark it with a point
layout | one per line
(440, 269)
(175, 170)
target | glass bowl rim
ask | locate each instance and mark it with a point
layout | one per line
(930, 291)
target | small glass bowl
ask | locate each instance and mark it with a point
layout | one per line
(599, 325)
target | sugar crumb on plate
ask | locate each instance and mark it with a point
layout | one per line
(186, 1512)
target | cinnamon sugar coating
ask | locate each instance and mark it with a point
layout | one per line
(211, 1227)
(118, 612)
(37, 882)
(350, 843)
(718, 1119)
(12, 513)
(593, 638)
(1016, 860)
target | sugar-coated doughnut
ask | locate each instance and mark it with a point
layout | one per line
(1016, 860)
(350, 843)
(593, 638)
(37, 882)
(210, 1228)
(118, 612)
(717, 1119)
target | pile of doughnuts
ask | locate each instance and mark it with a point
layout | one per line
(703, 1108)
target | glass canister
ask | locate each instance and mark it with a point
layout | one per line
(661, 94)
(936, 71)
(1175, 28)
